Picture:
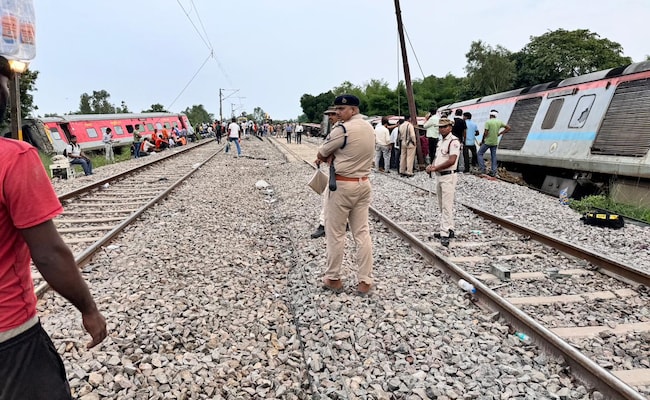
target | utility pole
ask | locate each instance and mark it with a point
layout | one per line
(14, 98)
(221, 99)
(409, 87)
(220, 105)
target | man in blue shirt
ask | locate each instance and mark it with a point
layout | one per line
(469, 141)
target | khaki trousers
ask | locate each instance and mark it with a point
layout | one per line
(325, 195)
(445, 190)
(350, 202)
(406, 160)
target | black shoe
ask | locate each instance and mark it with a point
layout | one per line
(320, 232)
(451, 235)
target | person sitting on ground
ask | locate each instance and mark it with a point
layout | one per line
(147, 147)
(76, 156)
(160, 143)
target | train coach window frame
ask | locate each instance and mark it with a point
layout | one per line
(92, 132)
(159, 126)
(150, 127)
(54, 132)
(552, 113)
(167, 125)
(581, 111)
(118, 129)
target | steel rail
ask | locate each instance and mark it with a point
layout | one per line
(582, 366)
(76, 192)
(85, 256)
(575, 250)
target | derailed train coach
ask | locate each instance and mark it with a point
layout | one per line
(52, 134)
(586, 133)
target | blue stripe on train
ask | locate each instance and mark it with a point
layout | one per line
(562, 136)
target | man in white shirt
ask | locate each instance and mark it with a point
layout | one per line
(76, 156)
(233, 136)
(395, 154)
(382, 145)
(107, 139)
(299, 130)
(431, 125)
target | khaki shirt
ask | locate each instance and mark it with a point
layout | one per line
(407, 135)
(447, 147)
(355, 159)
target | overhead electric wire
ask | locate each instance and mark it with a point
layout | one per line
(201, 22)
(414, 54)
(188, 83)
(206, 42)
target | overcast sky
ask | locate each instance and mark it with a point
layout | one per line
(273, 51)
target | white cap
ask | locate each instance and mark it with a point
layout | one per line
(494, 113)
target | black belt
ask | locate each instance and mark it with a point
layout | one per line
(441, 173)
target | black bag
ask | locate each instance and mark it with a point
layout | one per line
(603, 218)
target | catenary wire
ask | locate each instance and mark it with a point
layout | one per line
(188, 83)
(206, 42)
(414, 53)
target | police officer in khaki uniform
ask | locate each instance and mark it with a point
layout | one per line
(351, 147)
(320, 231)
(408, 147)
(444, 166)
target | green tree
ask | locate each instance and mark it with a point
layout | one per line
(434, 91)
(98, 103)
(155, 108)
(27, 84)
(562, 54)
(258, 114)
(197, 115)
(123, 109)
(313, 106)
(380, 98)
(489, 70)
(348, 88)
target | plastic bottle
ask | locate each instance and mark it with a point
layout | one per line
(523, 337)
(27, 49)
(466, 286)
(9, 27)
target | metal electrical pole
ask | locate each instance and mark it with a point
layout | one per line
(221, 99)
(409, 87)
(14, 98)
(220, 105)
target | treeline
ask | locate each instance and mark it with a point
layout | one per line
(550, 57)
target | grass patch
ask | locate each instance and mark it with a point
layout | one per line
(600, 201)
(97, 159)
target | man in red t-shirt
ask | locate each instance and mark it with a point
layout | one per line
(30, 367)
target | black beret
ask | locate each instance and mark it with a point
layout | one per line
(346, 100)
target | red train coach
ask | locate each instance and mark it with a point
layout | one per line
(89, 129)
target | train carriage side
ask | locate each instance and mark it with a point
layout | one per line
(90, 128)
(566, 128)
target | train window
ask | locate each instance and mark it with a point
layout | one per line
(159, 125)
(581, 111)
(167, 126)
(175, 124)
(92, 133)
(118, 129)
(129, 128)
(150, 127)
(551, 115)
(55, 133)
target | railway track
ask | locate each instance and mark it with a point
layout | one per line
(98, 212)
(512, 277)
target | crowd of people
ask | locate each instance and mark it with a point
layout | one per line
(353, 148)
